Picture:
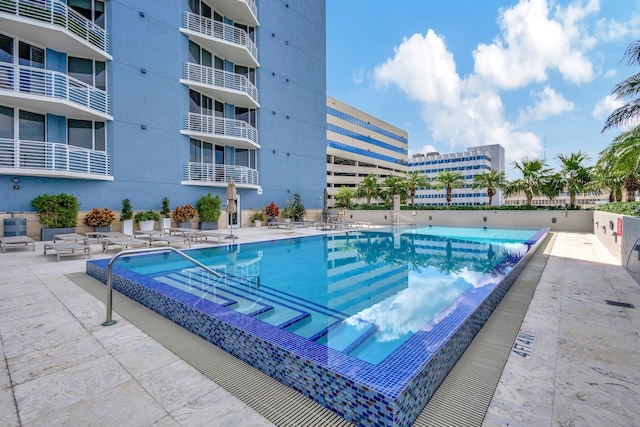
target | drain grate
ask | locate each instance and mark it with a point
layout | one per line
(619, 304)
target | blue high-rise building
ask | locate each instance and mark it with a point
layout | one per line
(144, 99)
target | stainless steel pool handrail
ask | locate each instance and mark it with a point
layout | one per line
(110, 320)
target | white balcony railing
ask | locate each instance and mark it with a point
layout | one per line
(220, 78)
(57, 13)
(53, 157)
(221, 174)
(220, 126)
(53, 84)
(219, 30)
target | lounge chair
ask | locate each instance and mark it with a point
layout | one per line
(17, 241)
(68, 248)
(216, 234)
(124, 242)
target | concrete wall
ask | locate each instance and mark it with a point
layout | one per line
(574, 221)
(620, 234)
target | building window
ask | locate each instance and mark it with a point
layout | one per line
(199, 103)
(31, 126)
(198, 55)
(246, 115)
(6, 49)
(245, 157)
(6, 122)
(93, 73)
(93, 10)
(86, 134)
(200, 8)
(30, 56)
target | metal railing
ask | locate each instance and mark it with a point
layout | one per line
(220, 78)
(110, 320)
(231, 128)
(207, 172)
(219, 30)
(51, 156)
(58, 13)
(53, 84)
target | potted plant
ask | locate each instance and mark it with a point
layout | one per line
(183, 215)
(209, 210)
(257, 217)
(126, 216)
(58, 214)
(297, 208)
(165, 212)
(100, 219)
(271, 212)
(147, 219)
(287, 214)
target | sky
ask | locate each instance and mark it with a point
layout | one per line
(535, 76)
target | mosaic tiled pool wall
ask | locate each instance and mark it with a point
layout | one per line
(392, 393)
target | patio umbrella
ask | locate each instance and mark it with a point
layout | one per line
(231, 204)
(325, 206)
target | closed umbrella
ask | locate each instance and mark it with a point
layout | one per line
(231, 204)
(325, 207)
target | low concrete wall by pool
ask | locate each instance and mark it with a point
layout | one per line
(620, 234)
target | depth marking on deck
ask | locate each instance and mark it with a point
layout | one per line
(523, 345)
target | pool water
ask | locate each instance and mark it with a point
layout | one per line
(368, 324)
(361, 293)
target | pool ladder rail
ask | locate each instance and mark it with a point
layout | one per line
(110, 320)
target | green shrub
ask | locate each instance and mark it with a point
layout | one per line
(209, 208)
(57, 211)
(147, 216)
(126, 212)
(622, 208)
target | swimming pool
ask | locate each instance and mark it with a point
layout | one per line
(366, 323)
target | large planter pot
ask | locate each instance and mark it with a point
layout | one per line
(127, 227)
(165, 223)
(184, 224)
(257, 223)
(208, 225)
(146, 225)
(105, 229)
(46, 234)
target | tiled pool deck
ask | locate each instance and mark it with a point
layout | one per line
(62, 367)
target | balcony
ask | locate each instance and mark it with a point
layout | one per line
(232, 88)
(244, 11)
(219, 175)
(219, 130)
(35, 158)
(226, 40)
(38, 89)
(52, 24)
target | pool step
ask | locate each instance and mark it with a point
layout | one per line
(345, 336)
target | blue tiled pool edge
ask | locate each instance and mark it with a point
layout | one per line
(303, 368)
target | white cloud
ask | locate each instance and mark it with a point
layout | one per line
(548, 103)
(610, 73)
(605, 106)
(532, 42)
(358, 75)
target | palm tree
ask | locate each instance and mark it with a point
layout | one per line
(624, 156)
(449, 180)
(417, 180)
(491, 181)
(395, 185)
(604, 176)
(345, 194)
(629, 113)
(368, 188)
(574, 176)
(535, 175)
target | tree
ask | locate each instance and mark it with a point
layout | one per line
(535, 175)
(629, 113)
(417, 180)
(344, 196)
(574, 176)
(604, 176)
(368, 188)
(449, 180)
(393, 185)
(491, 181)
(623, 156)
